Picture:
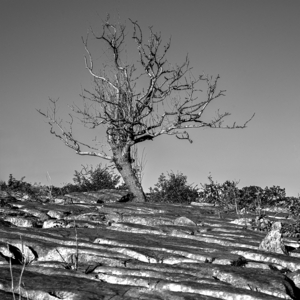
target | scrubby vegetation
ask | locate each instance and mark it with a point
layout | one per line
(173, 189)
(86, 180)
(93, 179)
(19, 185)
(228, 195)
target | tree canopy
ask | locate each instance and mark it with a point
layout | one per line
(170, 102)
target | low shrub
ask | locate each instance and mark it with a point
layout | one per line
(173, 189)
(225, 195)
(3, 185)
(19, 185)
(88, 179)
(93, 179)
(250, 198)
(294, 207)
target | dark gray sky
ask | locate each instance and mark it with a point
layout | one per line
(253, 45)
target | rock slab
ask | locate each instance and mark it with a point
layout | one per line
(97, 247)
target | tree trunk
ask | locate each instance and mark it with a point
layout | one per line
(123, 164)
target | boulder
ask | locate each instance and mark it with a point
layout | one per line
(273, 241)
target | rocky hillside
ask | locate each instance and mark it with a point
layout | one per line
(100, 246)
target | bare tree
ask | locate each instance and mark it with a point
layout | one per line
(168, 104)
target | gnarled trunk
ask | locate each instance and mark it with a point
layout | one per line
(123, 163)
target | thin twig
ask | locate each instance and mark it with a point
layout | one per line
(23, 268)
(77, 251)
(11, 276)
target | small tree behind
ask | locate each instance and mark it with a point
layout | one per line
(90, 179)
(173, 189)
(225, 195)
(138, 102)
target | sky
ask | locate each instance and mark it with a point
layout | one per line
(253, 45)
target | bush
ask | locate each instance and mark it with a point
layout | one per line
(294, 207)
(90, 179)
(20, 186)
(225, 195)
(210, 192)
(255, 196)
(274, 195)
(173, 189)
(250, 197)
(3, 185)
(33, 190)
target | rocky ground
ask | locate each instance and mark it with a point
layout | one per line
(98, 246)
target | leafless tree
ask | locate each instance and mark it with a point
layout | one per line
(169, 103)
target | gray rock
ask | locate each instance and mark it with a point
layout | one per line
(95, 247)
(273, 241)
(184, 221)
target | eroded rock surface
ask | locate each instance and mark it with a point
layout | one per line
(96, 246)
(273, 241)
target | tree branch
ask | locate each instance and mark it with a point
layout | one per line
(66, 136)
(171, 102)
